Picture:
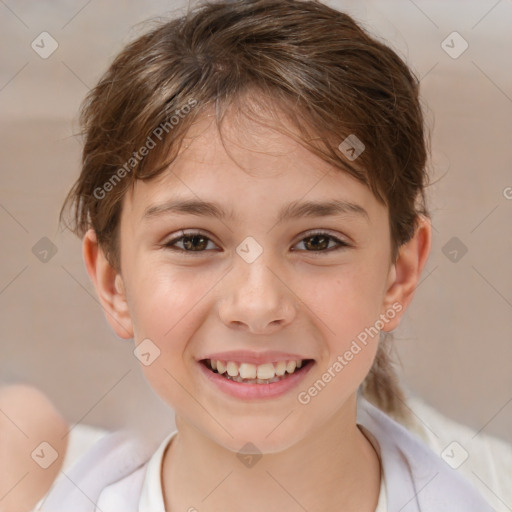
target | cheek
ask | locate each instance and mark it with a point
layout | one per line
(346, 307)
(166, 308)
(345, 301)
(163, 303)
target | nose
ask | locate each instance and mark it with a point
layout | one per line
(256, 298)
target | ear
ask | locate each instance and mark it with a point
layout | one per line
(405, 273)
(109, 286)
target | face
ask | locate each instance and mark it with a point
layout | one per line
(271, 286)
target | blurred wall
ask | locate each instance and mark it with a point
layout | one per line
(454, 342)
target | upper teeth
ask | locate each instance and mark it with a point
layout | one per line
(253, 371)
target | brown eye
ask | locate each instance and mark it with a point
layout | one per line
(319, 242)
(191, 242)
(196, 242)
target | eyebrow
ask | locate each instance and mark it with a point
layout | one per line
(295, 209)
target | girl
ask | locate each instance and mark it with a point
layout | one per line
(252, 208)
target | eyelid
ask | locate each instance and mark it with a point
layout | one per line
(341, 242)
(188, 233)
(313, 232)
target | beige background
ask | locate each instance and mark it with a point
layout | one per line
(454, 342)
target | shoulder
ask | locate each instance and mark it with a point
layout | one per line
(118, 458)
(482, 459)
(416, 478)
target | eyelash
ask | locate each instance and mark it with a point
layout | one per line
(170, 244)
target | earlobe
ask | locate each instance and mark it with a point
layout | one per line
(109, 286)
(405, 273)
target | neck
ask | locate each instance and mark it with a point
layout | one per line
(334, 468)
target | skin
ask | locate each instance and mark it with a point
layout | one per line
(27, 419)
(291, 298)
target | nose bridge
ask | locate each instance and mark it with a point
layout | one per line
(257, 281)
(255, 296)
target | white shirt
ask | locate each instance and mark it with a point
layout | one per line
(115, 474)
(152, 498)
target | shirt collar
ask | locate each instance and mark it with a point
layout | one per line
(152, 499)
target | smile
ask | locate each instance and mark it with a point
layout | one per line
(255, 374)
(246, 380)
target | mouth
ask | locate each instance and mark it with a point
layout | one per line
(264, 374)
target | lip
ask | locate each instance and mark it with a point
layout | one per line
(256, 391)
(257, 358)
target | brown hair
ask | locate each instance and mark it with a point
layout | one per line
(312, 63)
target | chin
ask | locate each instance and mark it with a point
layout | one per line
(256, 440)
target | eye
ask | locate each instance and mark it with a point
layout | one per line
(197, 242)
(320, 240)
(192, 242)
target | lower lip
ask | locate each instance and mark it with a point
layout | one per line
(255, 391)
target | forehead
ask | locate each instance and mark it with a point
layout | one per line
(244, 162)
